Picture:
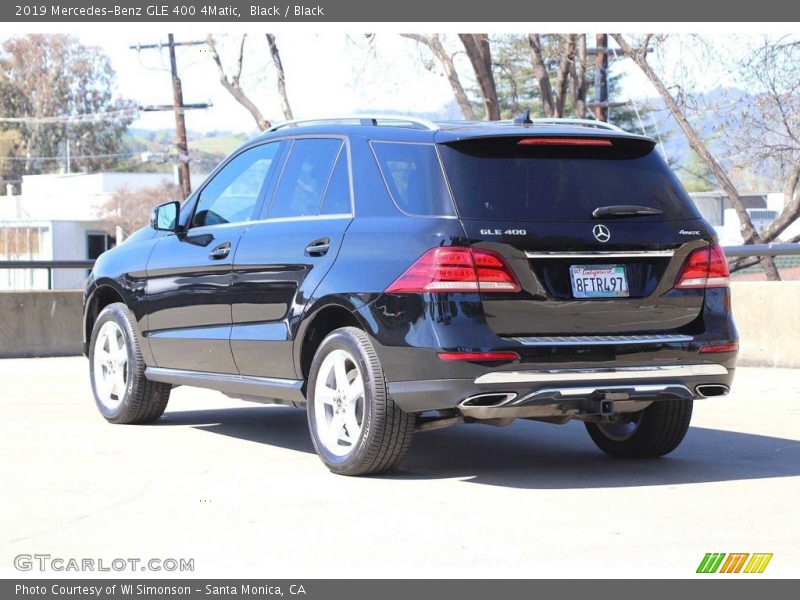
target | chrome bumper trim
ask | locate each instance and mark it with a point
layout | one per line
(611, 374)
(602, 340)
(603, 254)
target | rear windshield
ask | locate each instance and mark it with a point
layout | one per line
(499, 179)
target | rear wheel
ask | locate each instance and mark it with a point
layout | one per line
(655, 431)
(356, 428)
(121, 391)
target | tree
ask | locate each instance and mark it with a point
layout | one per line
(479, 53)
(232, 83)
(749, 233)
(766, 130)
(434, 44)
(130, 210)
(276, 60)
(56, 91)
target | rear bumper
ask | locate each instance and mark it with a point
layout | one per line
(498, 394)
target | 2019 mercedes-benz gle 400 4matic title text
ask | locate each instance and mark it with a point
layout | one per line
(393, 275)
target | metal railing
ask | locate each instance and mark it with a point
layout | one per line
(762, 250)
(48, 265)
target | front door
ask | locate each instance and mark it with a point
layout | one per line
(189, 273)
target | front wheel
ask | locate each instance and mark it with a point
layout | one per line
(655, 431)
(355, 427)
(121, 391)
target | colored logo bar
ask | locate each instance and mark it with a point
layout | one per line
(736, 562)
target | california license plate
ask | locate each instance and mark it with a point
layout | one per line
(599, 281)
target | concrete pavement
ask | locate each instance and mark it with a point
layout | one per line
(237, 487)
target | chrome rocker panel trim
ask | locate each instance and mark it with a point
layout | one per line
(240, 386)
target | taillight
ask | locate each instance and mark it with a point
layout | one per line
(456, 270)
(704, 268)
(553, 141)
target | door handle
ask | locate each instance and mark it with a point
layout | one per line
(220, 252)
(319, 247)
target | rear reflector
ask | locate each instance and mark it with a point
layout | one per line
(456, 269)
(732, 347)
(551, 141)
(478, 356)
(704, 268)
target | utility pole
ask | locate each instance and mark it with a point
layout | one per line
(181, 142)
(601, 77)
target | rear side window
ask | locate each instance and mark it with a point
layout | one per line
(502, 180)
(337, 195)
(305, 177)
(414, 178)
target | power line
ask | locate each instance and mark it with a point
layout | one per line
(112, 115)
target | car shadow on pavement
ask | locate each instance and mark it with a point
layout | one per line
(527, 454)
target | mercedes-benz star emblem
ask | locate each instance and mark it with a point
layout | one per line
(601, 233)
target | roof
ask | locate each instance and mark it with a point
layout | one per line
(379, 126)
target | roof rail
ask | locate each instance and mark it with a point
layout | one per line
(367, 120)
(579, 122)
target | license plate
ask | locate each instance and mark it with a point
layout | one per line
(599, 281)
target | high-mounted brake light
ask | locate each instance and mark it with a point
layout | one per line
(704, 268)
(550, 141)
(456, 269)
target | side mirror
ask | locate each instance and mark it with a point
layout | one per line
(165, 217)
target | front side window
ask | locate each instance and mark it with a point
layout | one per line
(305, 177)
(414, 178)
(232, 194)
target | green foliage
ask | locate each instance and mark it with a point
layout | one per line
(53, 75)
(518, 89)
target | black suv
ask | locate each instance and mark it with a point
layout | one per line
(394, 275)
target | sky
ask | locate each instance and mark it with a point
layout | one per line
(336, 74)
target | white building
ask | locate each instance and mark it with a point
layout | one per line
(763, 208)
(56, 218)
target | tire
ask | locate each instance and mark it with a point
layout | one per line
(354, 436)
(121, 391)
(655, 431)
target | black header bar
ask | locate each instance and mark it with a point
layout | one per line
(394, 11)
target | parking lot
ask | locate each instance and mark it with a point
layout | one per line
(237, 487)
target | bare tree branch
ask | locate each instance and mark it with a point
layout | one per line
(580, 85)
(434, 43)
(749, 233)
(232, 83)
(562, 75)
(480, 56)
(276, 59)
(541, 74)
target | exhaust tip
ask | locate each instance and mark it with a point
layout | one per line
(711, 390)
(489, 399)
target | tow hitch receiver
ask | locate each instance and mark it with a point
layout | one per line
(602, 403)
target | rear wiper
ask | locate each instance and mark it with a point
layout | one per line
(624, 210)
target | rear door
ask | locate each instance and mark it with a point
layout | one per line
(595, 230)
(285, 254)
